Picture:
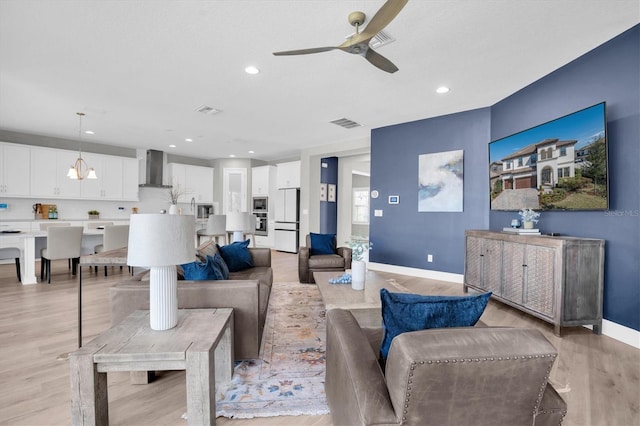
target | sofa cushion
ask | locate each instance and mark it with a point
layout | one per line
(221, 266)
(237, 255)
(198, 271)
(323, 261)
(207, 248)
(322, 243)
(403, 312)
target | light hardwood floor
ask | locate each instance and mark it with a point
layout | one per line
(598, 376)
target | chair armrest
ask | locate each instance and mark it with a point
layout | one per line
(303, 264)
(354, 384)
(345, 252)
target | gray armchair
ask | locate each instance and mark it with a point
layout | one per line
(308, 264)
(446, 376)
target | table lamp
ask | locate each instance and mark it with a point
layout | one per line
(235, 224)
(160, 242)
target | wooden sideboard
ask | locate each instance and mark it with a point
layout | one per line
(557, 279)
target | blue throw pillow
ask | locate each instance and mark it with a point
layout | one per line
(322, 243)
(237, 256)
(403, 312)
(199, 270)
(220, 266)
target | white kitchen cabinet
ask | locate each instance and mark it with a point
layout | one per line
(108, 185)
(289, 175)
(262, 180)
(49, 168)
(196, 181)
(200, 180)
(14, 172)
(130, 179)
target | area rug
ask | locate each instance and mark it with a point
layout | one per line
(288, 378)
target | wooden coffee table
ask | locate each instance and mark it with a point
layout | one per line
(364, 304)
(201, 344)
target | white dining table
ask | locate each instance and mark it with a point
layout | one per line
(25, 241)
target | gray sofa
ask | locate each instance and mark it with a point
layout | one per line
(447, 376)
(247, 292)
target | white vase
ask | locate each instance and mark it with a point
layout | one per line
(358, 272)
(528, 224)
(173, 209)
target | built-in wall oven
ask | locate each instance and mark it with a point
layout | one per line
(262, 223)
(260, 204)
(261, 212)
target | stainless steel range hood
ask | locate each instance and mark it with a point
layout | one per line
(154, 169)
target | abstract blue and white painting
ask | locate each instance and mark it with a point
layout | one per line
(440, 178)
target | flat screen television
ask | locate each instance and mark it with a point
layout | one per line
(559, 165)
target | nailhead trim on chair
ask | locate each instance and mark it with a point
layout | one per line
(462, 360)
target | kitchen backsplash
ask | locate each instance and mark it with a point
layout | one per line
(152, 200)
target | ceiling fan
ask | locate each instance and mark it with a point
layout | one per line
(358, 44)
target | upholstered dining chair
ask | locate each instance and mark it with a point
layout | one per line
(44, 226)
(249, 229)
(12, 253)
(63, 242)
(114, 237)
(216, 228)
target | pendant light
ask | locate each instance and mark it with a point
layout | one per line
(80, 170)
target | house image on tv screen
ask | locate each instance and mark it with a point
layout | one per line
(552, 173)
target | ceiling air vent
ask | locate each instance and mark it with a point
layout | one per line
(205, 109)
(346, 123)
(380, 40)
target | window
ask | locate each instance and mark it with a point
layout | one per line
(560, 173)
(549, 153)
(507, 165)
(563, 151)
(360, 208)
(533, 159)
(567, 172)
(520, 162)
(543, 155)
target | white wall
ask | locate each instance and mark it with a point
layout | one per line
(310, 179)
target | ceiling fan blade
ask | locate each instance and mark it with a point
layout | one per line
(305, 51)
(380, 61)
(383, 16)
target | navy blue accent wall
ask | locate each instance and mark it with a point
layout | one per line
(329, 211)
(610, 73)
(403, 236)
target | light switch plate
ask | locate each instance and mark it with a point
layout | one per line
(377, 213)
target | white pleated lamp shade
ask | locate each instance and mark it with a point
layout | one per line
(235, 221)
(161, 240)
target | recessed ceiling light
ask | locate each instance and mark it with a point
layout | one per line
(251, 70)
(252, 152)
(90, 132)
(188, 140)
(172, 146)
(442, 89)
(232, 155)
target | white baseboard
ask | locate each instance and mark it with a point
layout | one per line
(415, 272)
(611, 329)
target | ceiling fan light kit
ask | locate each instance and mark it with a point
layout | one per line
(358, 44)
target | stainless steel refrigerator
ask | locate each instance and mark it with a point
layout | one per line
(287, 214)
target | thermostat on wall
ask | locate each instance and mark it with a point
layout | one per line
(394, 199)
